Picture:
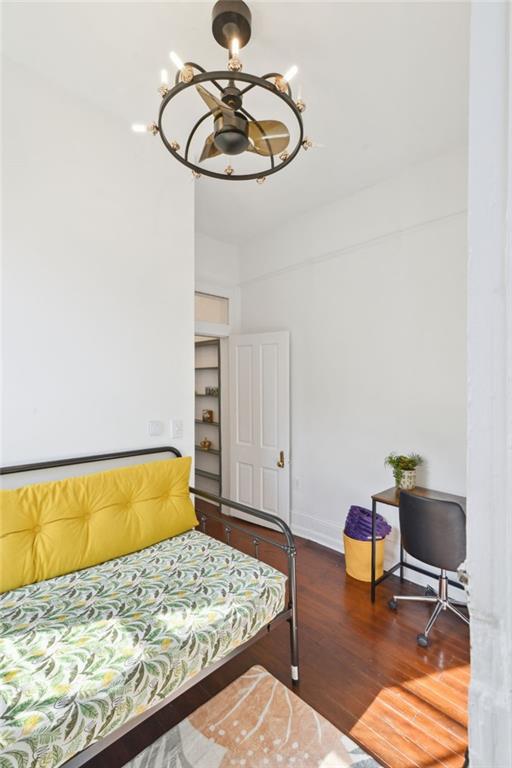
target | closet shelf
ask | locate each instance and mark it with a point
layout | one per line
(208, 475)
(208, 360)
(214, 451)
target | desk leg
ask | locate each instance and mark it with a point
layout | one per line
(401, 561)
(374, 511)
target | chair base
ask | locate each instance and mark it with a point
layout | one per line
(440, 601)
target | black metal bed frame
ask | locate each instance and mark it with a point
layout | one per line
(289, 614)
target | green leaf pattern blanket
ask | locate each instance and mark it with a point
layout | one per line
(83, 653)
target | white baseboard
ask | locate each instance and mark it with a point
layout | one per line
(320, 531)
(329, 535)
(317, 537)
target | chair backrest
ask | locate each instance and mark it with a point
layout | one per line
(433, 530)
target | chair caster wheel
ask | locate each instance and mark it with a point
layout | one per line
(393, 604)
(422, 640)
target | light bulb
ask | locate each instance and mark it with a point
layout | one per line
(140, 128)
(235, 47)
(176, 60)
(186, 71)
(234, 63)
(164, 77)
(281, 81)
(291, 73)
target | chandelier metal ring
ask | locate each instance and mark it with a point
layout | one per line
(252, 81)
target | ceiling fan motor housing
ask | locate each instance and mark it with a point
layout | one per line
(231, 18)
(232, 97)
(231, 135)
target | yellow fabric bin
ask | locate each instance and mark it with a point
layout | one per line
(358, 558)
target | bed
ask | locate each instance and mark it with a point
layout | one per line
(88, 655)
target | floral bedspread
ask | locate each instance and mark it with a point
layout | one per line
(83, 653)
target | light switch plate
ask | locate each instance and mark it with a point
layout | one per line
(155, 428)
(177, 429)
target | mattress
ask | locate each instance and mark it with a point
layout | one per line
(83, 653)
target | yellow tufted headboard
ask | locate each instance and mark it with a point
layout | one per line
(53, 528)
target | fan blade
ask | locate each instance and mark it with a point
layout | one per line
(268, 137)
(215, 105)
(209, 149)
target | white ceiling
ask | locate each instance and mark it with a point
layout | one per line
(385, 85)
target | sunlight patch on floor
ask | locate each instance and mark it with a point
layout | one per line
(422, 721)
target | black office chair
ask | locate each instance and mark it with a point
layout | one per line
(433, 531)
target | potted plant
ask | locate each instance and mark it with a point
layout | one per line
(404, 469)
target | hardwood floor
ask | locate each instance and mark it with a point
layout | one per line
(360, 667)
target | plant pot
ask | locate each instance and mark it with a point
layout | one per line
(358, 558)
(408, 480)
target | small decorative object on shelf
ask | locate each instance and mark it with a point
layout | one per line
(207, 416)
(212, 391)
(404, 469)
(205, 444)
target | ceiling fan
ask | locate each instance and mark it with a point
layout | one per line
(234, 131)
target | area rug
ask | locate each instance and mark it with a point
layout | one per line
(255, 722)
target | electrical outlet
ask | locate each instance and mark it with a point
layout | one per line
(177, 429)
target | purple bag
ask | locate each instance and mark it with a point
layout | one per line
(358, 524)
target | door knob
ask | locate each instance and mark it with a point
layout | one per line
(280, 462)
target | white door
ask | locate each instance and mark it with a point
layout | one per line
(259, 372)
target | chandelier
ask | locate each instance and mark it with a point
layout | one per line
(234, 130)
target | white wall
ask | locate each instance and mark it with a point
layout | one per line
(372, 289)
(490, 386)
(216, 261)
(217, 271)
(98, 279)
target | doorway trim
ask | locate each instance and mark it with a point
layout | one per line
(222, 331)
(232, 294)
(489, 523)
